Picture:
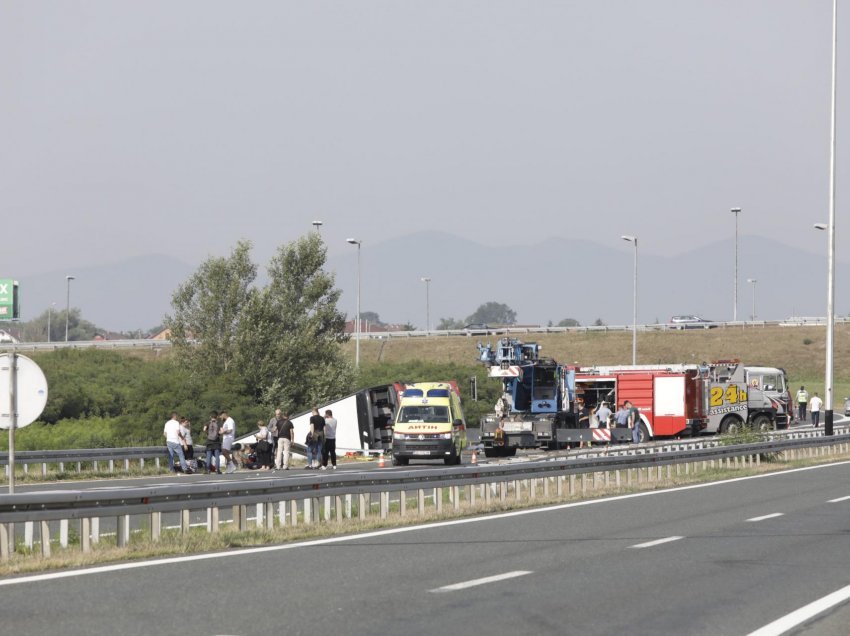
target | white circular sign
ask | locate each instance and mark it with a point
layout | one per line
(31, 391)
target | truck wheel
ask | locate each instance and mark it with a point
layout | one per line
(644, 433)
(490, 452)
(400, 461)
(762, 424)
(730, 425)
(511, 452)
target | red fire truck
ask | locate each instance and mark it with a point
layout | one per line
(670, 398)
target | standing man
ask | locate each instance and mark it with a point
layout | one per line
(634, 422)
(330, 441)
(622, 416)
(603, 414)
(174, 442)
(228, 435)
(317, 430)
(815, 407)
(286, 436)
(274, 429)
(802, 400)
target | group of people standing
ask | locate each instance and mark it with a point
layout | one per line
(219, 441)
(321, 440)
(271, 451)
(815, 404)
(601, 416)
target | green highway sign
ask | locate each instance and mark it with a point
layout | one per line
(9, 306)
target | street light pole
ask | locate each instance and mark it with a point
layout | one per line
(427, 281)
(49, 316)
(357, 242)
(830, 298)
(317, 225)
(633, 239)
(753, 282)
(736, 212)
(68, 280)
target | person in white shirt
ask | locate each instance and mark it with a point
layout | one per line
(228, 435)
(174, 442)
(815, 405)
(329, 449)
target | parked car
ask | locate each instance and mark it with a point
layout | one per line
(477, 329)
(690, 322)
(847, 407)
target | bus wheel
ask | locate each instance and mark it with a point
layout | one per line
(762, 424)
(730, 425)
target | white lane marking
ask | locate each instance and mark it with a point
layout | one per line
(805, 613)
(650, 544)
(839, 499)
(770, 516)
(35, 578)
(484, 581)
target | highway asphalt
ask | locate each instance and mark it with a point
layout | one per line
(724, 558)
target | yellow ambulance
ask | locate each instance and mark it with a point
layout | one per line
(429, 424)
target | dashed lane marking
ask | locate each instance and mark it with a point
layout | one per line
(483, 581)
(650, 544)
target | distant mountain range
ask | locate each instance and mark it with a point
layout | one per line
(551, 279)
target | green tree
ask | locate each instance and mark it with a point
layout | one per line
(208, 309)
(35, 330)
(569, 322)
(449, 323)
(288, 341)
(371, 318)
(493, 312)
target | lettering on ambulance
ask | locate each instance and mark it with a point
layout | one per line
(732, 398)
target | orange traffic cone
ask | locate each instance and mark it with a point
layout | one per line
(381, 462)
(474, 456)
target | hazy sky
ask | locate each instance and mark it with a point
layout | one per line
(132, 128)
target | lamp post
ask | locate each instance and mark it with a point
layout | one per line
(357, 242)
(830, 331)
(317, 225)
(753, 282)
(49, 316)
(427, 281)
(736, 212)
(830, 295)
(633, 239)
(68, 280)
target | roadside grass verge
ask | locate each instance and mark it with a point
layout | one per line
(198, 540)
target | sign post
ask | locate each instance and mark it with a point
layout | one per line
(27, 397)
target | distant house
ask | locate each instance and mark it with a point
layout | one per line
(164, 334)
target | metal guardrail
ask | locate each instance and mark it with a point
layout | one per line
(494, 479)
(808, 321)
(117, 456)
